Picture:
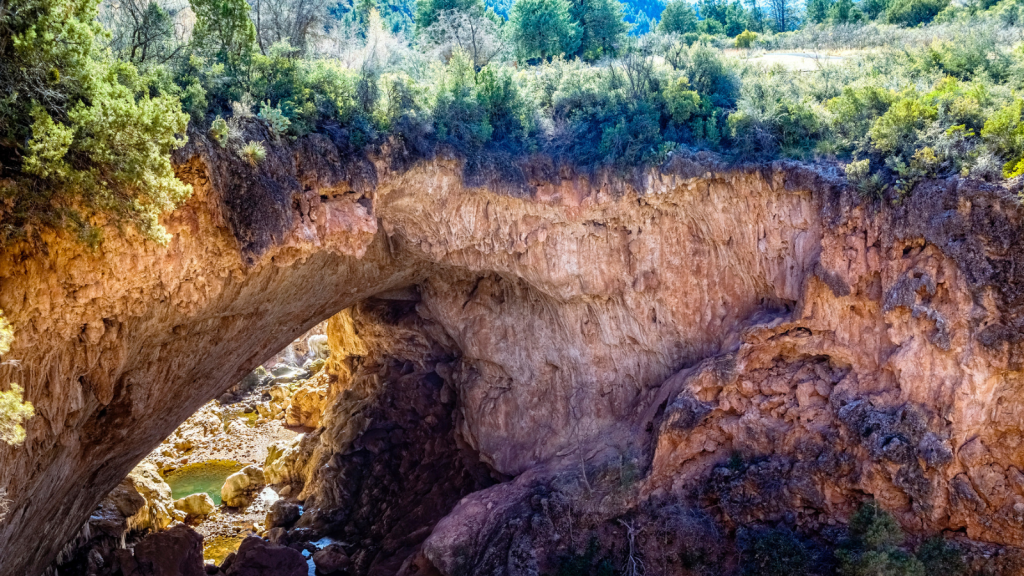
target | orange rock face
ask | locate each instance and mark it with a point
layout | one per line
(738, 326)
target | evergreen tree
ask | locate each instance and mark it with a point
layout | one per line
(844, 12)
(427, 11)
(82, 133)
(817, 11)
(731, 18)
(224, 32)
(601, 26)
(678, 17)
(543, 28)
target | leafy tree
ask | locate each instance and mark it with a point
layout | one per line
(428, 11)
(86, 134)
(141, 32)
(781, 14)
(679, 17)
(224, 32)
(543, 28)
(731, 16)
(913, 12)
(710, 27)
(479, 35)
(874, 8)
(601, 25)
(755, 17)
(817, 11)
(296, 22)
(844, 12)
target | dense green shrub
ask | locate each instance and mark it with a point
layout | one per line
(899, 130)
(1004, 132)
(873, 548)
(746, 39)
(13, 411)
(468, 106)
(769, 119)
(913, 12)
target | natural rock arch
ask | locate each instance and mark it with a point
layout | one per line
(576, 303)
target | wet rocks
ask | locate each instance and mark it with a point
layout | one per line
(331, 560)
(241, 487)
(282, 513)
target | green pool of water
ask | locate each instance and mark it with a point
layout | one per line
(206, 477)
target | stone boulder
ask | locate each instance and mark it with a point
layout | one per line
(255, 557)
(198, 505)
(285, 374)
(241, 487)
(174, 552)
(282, 513)
(331, 560)
(158, 511)
(279, 394)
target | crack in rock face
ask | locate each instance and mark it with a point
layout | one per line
(750, 340)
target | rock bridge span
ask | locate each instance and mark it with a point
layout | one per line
(573, 298)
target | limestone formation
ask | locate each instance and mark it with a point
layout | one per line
(241, 488)
(757, 343)
(196, 505)
(158, 510)
(307, 404)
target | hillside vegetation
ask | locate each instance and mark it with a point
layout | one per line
(102, 94)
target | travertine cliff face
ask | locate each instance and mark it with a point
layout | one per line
(665, 326)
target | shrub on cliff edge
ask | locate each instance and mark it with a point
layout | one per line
(13, 412)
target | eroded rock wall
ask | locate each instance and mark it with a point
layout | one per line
(594, 318)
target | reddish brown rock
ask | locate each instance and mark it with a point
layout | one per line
(690, 313)
(258, 558)
(177, 551)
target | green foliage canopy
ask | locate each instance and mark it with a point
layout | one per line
(679, 17)
(601, 25)
(543, 28)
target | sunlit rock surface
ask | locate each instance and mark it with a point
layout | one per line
(750, 339)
